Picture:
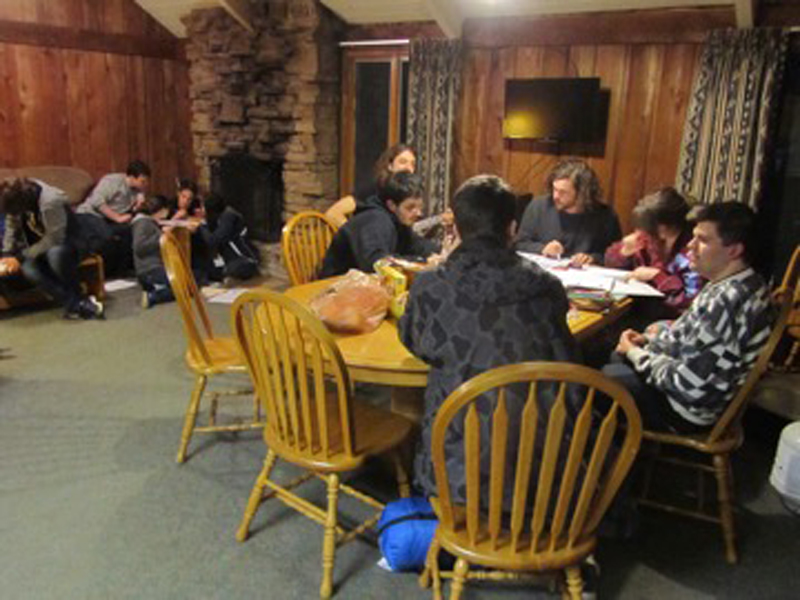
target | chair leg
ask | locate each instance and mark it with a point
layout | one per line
(329, 541)
(434, 565)
(191, 416)
(722, 467)
(430, 560)
(402, 476)
(459, 578)
(255, 496)
(574, 583)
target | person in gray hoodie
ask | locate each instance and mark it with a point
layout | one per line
(41, 240)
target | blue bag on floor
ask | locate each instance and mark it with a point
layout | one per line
(405, 532)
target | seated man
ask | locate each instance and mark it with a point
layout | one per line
(683, 375)
(382, 229)
(41, 241)
(106, 214)
(483, 308)
(572, 221)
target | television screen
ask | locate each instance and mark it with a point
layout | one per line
(564, 110)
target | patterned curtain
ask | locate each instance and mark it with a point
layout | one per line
(729, 123)
(434, 82)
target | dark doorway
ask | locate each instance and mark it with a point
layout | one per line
(254, 187)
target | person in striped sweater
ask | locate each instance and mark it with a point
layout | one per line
(684, 374)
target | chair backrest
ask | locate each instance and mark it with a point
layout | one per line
(304, 241)
(789, 287)
(562, 430)
(196, 323)
(787, 303)
(299, 376)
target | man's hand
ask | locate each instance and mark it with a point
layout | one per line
(630, 339)
(553, 249)
(644, 273)
(581, 259)
(124, 218)
(9, 266)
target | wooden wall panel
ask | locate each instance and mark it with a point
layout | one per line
(650, 84)
(93, 108)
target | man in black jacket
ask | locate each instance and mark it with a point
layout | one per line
(382, 229)
(225, 235)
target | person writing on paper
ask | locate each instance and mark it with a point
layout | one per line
(187, 204)
(571, 221)
(683, 375)
(383, 229)
(657, 251)
(485, 307)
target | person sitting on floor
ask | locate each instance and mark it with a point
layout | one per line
(187, 204)
(683, 375)
(225, 235)
(41, 240)
(147, 252)
(484, 307)
(571, 221)
(657, 249)
(106, 214)
(383, 229)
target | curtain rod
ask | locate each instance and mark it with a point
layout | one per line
(357, 43)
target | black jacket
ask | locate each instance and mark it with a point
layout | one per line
(370, 235)
(485, 307)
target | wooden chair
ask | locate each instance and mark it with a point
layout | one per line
(534, 522)
(313, 421)
(304, 241)
(725, 437)
(788, 359)
(206, 354)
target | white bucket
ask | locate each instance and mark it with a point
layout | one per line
(785, 476)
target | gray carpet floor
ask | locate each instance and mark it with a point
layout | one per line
(94, 506)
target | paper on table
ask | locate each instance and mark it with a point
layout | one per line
(595, 278)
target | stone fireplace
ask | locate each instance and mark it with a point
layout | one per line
(270, 96)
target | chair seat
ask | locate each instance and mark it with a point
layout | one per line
(224, 354)
(375, 431)
(506, 558)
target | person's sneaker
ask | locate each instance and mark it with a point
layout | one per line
(590, 573)
(95, 308)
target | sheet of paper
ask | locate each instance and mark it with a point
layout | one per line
(116, 285)
(227, 296)
(613, 281)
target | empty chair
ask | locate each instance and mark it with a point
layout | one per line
(313, 420)
(544, 456)
(206, 354)
(718, 444)
(304, 241)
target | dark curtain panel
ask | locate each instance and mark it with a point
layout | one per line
(433, 92)
(728, 130)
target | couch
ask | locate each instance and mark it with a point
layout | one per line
(76, 184)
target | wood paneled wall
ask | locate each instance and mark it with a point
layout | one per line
(650, 84)
(92, 84)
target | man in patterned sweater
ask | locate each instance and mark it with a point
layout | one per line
(683, 375)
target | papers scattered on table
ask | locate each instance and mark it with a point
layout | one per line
(222, 295)
(115, 285)
(613, 281)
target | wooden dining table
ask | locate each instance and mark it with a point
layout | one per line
(380, 357)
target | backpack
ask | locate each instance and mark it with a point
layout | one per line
(405, 532)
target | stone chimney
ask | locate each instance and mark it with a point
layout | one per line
(273, 95)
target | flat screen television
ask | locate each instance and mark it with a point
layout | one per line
(559, 110)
